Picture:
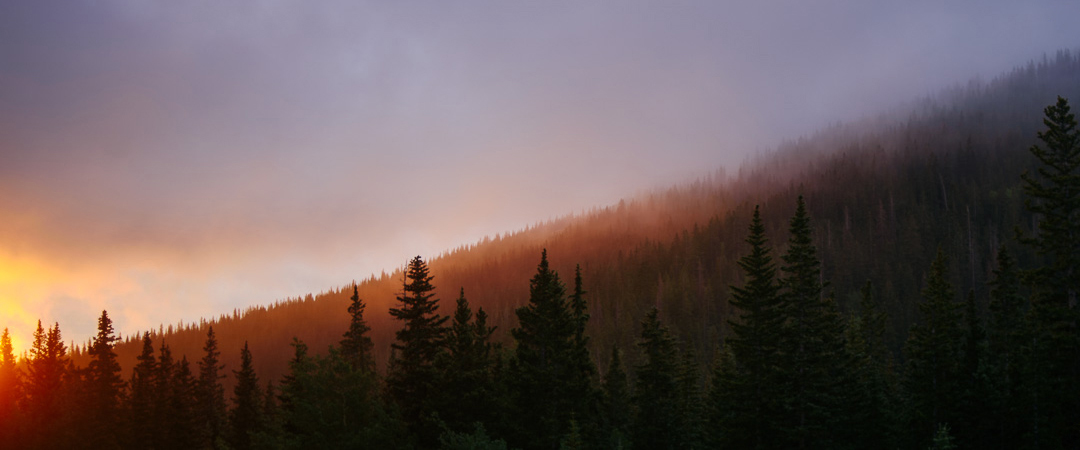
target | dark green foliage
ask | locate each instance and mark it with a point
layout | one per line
(103, 389)
(356, 347)
(933, 354)
(745, 399)
(478, 439)
(413, 377)
(141, 420)
(210, 396)
(469, 370)
(175, 402)
(326, 403)
(1007, 334)
(814, 371)
(871, 408)
(657, 423)
(1054, 366)
(551, 375)
(245, 417)
(615, 404)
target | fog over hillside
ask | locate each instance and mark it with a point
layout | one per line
(170, 161)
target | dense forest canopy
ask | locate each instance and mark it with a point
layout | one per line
(905, 281)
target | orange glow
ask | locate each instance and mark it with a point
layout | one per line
(21, 281)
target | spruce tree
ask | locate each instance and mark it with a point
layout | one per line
(871, 406)
(657, 423)
(746, 401)
(412, 380)
(210, 395)
(356, 347)
(616, 404)
(10, 388)
(1007, 333)
(104, 388)
(1053, 195)
(183, 424)
(468, 370)
(141, 398)
(814, 371)
(978, 394)
(933, 355)
(245, 418)
(546, 371)
(47, 374)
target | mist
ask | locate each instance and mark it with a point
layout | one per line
(170, 161)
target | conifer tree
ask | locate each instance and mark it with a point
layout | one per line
(468, 370)
(210, 395)
(933, 353)
(546, 371)
(1007, 333)
(356, 347)
(745, 399)
(616, 404)
(977, 396)
(10, 388)
(871, 406)
(245, 418)
(815, 376)
(1054, 197)
(412, 380)
(141, 398)
(657, 423)
(182, 424)
(47, 374)
(104, 388)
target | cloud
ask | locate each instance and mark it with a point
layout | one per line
(180, 159)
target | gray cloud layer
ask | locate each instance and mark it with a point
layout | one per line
(232, 144)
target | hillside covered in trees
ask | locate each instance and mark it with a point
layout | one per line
(901, 282)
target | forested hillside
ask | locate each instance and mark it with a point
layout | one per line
(884, 193)
(919, 203)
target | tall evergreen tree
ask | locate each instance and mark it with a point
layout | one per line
(104, 388)
(933, 353)
(1054, 197)
(245, 418)
(47, 372)
(813, 363)
(210, 395)
(657, 422)
(546, 370)
(978, 391)
(356, 347)
(10, 388)
(871, 406)
(745, 399)
(412, 380)
(616, 404)
(1007, 333)
(141, 399)
(468, 370)
(185, 423)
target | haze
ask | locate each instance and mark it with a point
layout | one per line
(174, 160)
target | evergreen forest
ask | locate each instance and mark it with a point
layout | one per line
(906, 281)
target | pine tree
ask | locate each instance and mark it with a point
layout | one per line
(245, 418)
(745, 400)
(141, 398)
(104, 388)
(546, 371)
(1007, 333)
(356, 347)
(933, 353)
(468, 370)
(45, 374)
(813, 364)
(616, 404)
(657, 424)
(183, 424)
(871, 406)
(1054, 197)
(978, 393)
(10, 388)
(412, 380)
(210, 395)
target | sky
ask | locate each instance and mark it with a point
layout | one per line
(168, 161)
